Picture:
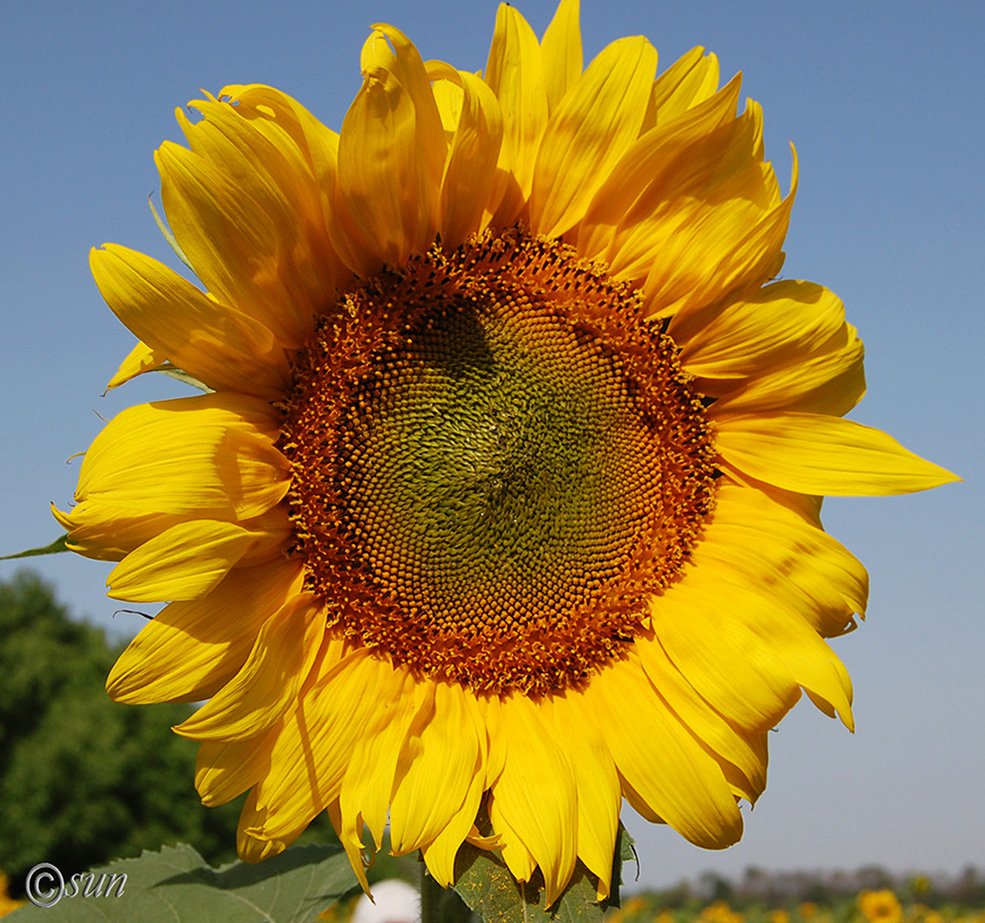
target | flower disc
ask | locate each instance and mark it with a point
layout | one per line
(495, 461)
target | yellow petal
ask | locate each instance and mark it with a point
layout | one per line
(667, 164)
(226, 769)
(110, 533)
(739, 228)
(811, 662)
(732, 667)
(369, 777)
(314, 744)
(217, 345)
(772, 649)
(278, 116)
(817, 454)
(391, 156)
(468, 189)
(561, 52)
(806, 506)
(786, 347)
(518, 858)
(446, 85)
(265, 163)
(268, 682)
(184, 562)
(406, 64)
(438, 762)
(741, 755)
(353, 248)
(210, 456)
(687, 83)
(252, 848)
(275, 760)
(273, 172)
(234, 246)
(832, 381)
(189, 650)
(597, 782)
(660, 759)
(515, 72)
(275, 113)
(780, 324)
(491, 712)
(773, 546)
(594, 125)
(536, 796)
(440, 853)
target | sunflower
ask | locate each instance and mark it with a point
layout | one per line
(504, 494)
(880, 907)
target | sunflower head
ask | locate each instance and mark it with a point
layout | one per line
(496, 462)
(880, 907)
(504, 500)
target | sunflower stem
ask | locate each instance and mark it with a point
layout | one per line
(440, 905)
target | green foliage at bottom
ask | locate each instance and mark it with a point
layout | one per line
(177, 884)
(487, 887)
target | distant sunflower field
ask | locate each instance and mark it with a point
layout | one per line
(868, 906)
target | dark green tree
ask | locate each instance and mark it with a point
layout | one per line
(82, 779)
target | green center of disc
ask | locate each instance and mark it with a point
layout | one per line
(488, 463)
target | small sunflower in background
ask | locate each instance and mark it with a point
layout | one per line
(505, 492)
(880, 907)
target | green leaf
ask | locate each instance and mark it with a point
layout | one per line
(176, 884)
(56, 547)
(486, 885)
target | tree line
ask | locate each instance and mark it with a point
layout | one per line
(83, 779)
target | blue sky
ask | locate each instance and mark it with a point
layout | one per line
(885, 104)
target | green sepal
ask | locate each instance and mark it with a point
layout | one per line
(168, 236)
(172, 371)
(56, 547)
(624, 852)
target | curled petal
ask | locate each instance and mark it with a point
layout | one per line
(391, 157)
(142, 358)
(534, 801)
(469, 190)
(210, 456)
